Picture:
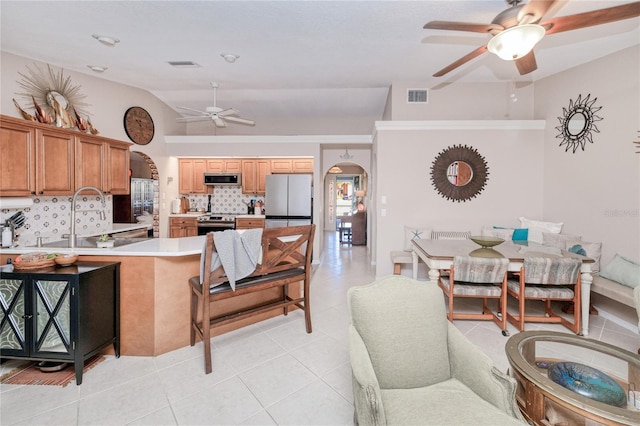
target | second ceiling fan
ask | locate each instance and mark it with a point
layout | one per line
(517, 29)
(218, 115)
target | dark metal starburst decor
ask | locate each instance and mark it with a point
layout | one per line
(459, 154)
(577, 123)
(638, 144)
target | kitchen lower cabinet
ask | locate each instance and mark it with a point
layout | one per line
(183, 227)
(249, 222)
(60, 314)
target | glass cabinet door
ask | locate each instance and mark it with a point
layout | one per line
(12, 323)
(52, 324)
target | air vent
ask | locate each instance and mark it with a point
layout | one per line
(417, 96)
(184, 64)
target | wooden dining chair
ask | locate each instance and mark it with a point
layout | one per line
(546, 279)
(478, 278)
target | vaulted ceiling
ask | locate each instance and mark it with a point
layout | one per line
(298, 60)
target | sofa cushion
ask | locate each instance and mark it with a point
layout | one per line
(558, 240)
(517, 234)
(411, 232)
(446, 403)
(538, 227)
(504, 233)
(584, 248)
(613, 290)
(623, 270)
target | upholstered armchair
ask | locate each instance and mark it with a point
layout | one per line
(412, 366)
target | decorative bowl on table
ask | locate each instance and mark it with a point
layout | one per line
(487, 242)
(66, 259)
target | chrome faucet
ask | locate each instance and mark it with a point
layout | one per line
(103, 216)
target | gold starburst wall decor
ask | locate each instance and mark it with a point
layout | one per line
(53, 95)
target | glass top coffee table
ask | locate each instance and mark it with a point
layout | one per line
(533, 355)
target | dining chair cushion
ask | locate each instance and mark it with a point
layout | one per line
(542, 291)
(479, 269)
(550, 270)
(466, 289)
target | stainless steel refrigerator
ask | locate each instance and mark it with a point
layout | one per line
(288, 200)
(126, 208)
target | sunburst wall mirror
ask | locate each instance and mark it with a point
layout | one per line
(578, 122)
(50, 90)
(459, 173)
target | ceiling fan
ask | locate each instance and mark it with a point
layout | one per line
(516, 30)
(214, 113)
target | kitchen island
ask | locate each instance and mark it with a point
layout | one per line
(154, 292)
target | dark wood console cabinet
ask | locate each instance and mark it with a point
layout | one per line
(66, 314)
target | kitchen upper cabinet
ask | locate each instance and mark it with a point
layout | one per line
(102, 164)
(254, 176)
(17, 162)
(46, 160)
(302, 165)
(191, 172)
(281, 165)
(222, 165)
(55, 155)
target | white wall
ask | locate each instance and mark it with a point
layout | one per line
(404, 157)
(596, 192)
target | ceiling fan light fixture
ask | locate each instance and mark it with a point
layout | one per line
(97, 68)
(515, 42)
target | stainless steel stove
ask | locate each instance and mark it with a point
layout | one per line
(215, 222)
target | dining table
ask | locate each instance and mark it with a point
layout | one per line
(438, 255)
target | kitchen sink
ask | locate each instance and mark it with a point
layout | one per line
(91, 242)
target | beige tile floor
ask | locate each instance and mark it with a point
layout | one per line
(266, 374)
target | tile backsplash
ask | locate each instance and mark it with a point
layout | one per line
(225, 199)
(50, 217)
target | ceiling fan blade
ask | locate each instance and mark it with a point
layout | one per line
(240, 121)
(462, 26)
(228, 111)
(527, 63)
(479, 51)
(589, 19)
(219, 122)
(536, 9)
(191, 110)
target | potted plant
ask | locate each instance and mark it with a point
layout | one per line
(104, 241)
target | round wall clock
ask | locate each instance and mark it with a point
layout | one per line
(139, 125)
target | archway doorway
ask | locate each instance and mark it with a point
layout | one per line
(345, 186)
(142, 203)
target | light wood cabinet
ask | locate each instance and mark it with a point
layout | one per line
(249, 222)
(55, 159)
(46, 160)
(183, 227)
(281, 165)
(254, 176)
(191, 172)
(222, 165)
(302, 165)
(18, 159)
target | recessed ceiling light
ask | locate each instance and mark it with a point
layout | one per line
(229, 57)
(106, 40)
(97, 68)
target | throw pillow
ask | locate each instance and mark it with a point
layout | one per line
(504, 233)
(537, 227)
(592, 250)
(622, 270)
(519, 234)
(558, 240)
(411, 232)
